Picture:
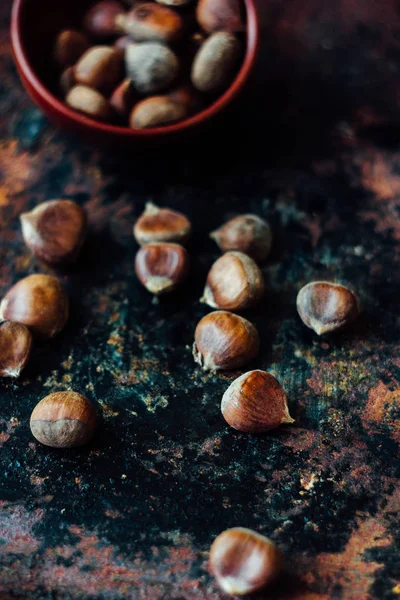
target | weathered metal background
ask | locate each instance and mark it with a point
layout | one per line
(132, 516)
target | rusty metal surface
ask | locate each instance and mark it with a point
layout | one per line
(132, 516)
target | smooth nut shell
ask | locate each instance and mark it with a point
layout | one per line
(54, 231)
(123, 98)
(100, 68)
(161, 267)
(234, 283)
(246, 233)
(89, 102)
(69, 47)
(243, 561)
(15, 348)
(39, 302)
(324, 306)
(100, 20)
(161, 225)
(156, 111)
(64, 420)
(215, 62)
(151, 66)
(224, 341)
(219, 15)
(151, 22)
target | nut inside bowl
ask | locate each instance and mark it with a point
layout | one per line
(33, 52)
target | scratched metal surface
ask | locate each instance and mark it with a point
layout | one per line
(132, 516)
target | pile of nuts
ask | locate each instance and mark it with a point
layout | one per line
(157, 63)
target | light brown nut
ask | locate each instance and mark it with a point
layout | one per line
(89, 102)
(219, 15)
(100, 68)
(157, 111)
(151, 66)
(100, 20)
(69, 47)
(246, 233)
(15, 348)
(215, 62)
(161, 225)
(151, 22)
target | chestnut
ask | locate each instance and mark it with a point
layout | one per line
(215, 61)
(162, 267)
(64, 420)
(161, 225)
(219, 15)
(100, 20)
(54, 231)
(148, 22)
(244, 561)
(69, 47)
(325, 307)
(15, 348)
(100, 68)
(39, 302)
(224, 341)
(156, 111)
(151, 66)
(234, 283)
(123, 98)
(246, 233)
(255, 403)
(89, 102)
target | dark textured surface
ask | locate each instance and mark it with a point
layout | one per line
(314, 148)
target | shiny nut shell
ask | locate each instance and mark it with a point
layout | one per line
(100, 68)
(69, 47)
(219, 15)
(161, 267)
(100, 20)
(161, 225)
(89, 102)
(157, 111)
(215, 62)
(15, 348)
(246, 233)
(151, 66)
(151, 22)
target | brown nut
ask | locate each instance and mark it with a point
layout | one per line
(324, 306)
(244, 561)
(255, 402)
(224, 341)
(247, 233)
(162, 267)
(156, 111)
(54, 231)
(89, 102)
(15, 348)
(100, 68)
(219, 15)
(100, 20)
(215, 62)
(151, 22)
(123, 98)
(64, 420)
(39, 302)
(233, 283)
(151, 66)
(161, 225)
(174, 2)
(69, 47)
(67, 80)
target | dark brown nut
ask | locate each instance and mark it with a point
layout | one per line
(324, 306)
(54, 231)
(161, 225)
(255, 403)
(123, 42)
(70, 45)
(15, 348)
(243, 561)
(234, 283)
(247, 233)
(67, 80)
(151, 22)
(39, 302)
(162, 267)
(123, 98)
(157, 111)
(219, 15)
(151, 66)
(64, 420)
(100, 68)
(224, 341)
(215, 62)
(100, 20)
(89, 102)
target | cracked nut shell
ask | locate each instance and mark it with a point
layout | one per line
(215, 62)
(246, 233)
(15, 348)
(148, 22)
(161, 225)
(162, 267)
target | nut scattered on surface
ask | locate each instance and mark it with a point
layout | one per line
(151, 22)
(215, 62)
(15, 348)
(100, 68)
(100, 20)
(39, 302)
(156, 111)
(162, 267)
(255, 402)
(161, 225)
(234, 283)
(151, 66)
(54, 231)
(89, 102)
(219, 15)
(64, 420)
(324, 306)
(123, 98)
(69, 47)
(224, 341)
(243, 561)
(246, 233)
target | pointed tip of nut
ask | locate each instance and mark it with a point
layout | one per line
(151, 209)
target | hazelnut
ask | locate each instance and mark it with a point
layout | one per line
(54, 231)
(123, 98)
(233, 283)
(219, 15)
(100, 20)
(255, 402)
(324, 306)
(67, 80)
(161, 225)
(89, 102)
(39, 302)
(157, 111)
(151, 66)
(100, 68)
(69, 47)
(151, 22)
(215, 62)
(64, 420)
(224, 341)
(15, 348)
(244, 561)
(247, 233)
(162, 267)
